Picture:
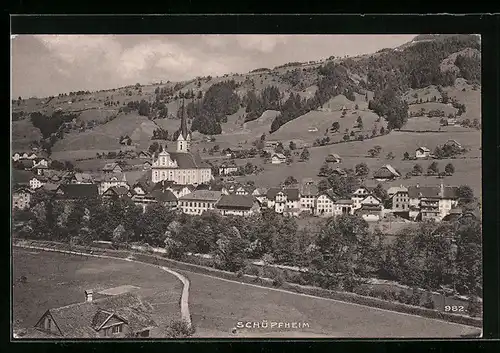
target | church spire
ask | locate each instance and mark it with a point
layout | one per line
(184, 130)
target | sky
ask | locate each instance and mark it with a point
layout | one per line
(44, 65)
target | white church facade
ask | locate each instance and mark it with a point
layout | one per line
(181, 167)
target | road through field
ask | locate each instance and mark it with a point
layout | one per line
(217, 305)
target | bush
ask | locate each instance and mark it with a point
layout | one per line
(362, 290)
(414, 298)
(402, 297)
(252, 270)
(429, 303)
(474, 307)
(180, 329)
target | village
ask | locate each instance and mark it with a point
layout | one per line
(182, 180)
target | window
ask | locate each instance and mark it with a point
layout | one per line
(117, 329)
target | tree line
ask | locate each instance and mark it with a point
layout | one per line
(340, 251)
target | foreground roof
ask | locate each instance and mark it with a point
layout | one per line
(236, 201)
(203, 195)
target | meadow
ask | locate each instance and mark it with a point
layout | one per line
(55, 279)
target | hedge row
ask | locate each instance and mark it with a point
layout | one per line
(302, 289)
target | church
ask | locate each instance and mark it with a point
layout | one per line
(181, 167)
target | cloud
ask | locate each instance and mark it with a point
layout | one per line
(51, 64)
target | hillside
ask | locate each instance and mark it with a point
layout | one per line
(311, 96)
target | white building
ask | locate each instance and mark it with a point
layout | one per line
(278, 158)
(282, 200)
(308, 196)
(181, 167)
(238, 205)
(359, 195)
(107, 181)
(422, 152)
(199, 201)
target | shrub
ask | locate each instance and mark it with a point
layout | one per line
(240, 273)
(402, 297)
(414, 298)
(180, 329)
(474, 307)
(429, 303)
(362, 290)
(252, 270)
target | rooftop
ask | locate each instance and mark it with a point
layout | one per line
(236, 201)
(203, 195)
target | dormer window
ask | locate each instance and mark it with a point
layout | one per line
(117, 329)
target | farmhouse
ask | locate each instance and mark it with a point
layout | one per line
(112, 168)
(146, 165)
(244, 190)
(387, 172)
(117, 192)
(165, 198)
(278, 158)
(144, 155)
(77, 191)
(199, 201)
(453, 143)
(279, 199)
(81, 178)
(107, 181)
(21, 197)
(177, 189)
(333, 158)
(422, 152)
(239, 205)
(116, 316)
(260, 194)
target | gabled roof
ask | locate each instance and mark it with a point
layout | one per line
(83, 177)
(386, 171)
(448, 192)
(291, 194)
(309, 190)
(334, 155)
(78, 191)
(279, 155)
(393, 190)
(425, 149)
(186, 160)
(78, 320)
(21, 176)
(202, 195)
(344, 202)
(112, 177)
(163, 196)
(236, 201)
(110, 166)
(117, 190)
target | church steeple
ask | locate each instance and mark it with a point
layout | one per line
(184, 138)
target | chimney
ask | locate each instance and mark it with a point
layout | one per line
(88, 295)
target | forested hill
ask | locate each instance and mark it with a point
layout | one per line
(293, 89)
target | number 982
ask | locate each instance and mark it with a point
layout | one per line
(454, 308)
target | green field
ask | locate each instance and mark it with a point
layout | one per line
(55, 279)
(217, 306)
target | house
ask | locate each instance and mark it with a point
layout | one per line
(117, 192)
(325, 205)
(114, 316)
(312, 129)
(399, 199)
(199, 201)
(387, 172)
(279, 199)
(422, 152)
(453, 143)
(260, 194)
(370, 213)
(278, 158)
(271, 143)
(165, 197)
(141, 188)
(238, 205)
(342, 207)
(308, 194)
(41, 162)
(37, 182)
(145, 155)
(77, 191)
(81, 178)
(177, 189)
(146, 165)
(108, 180)
(433, 202)
(451, 121)
(21, 197)
(24, 164)
(21, 177)
(359, 195)
(219, 187)
(333, 158)
(244, 190)
(126, 140)
(112, 168)
(227, 169)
